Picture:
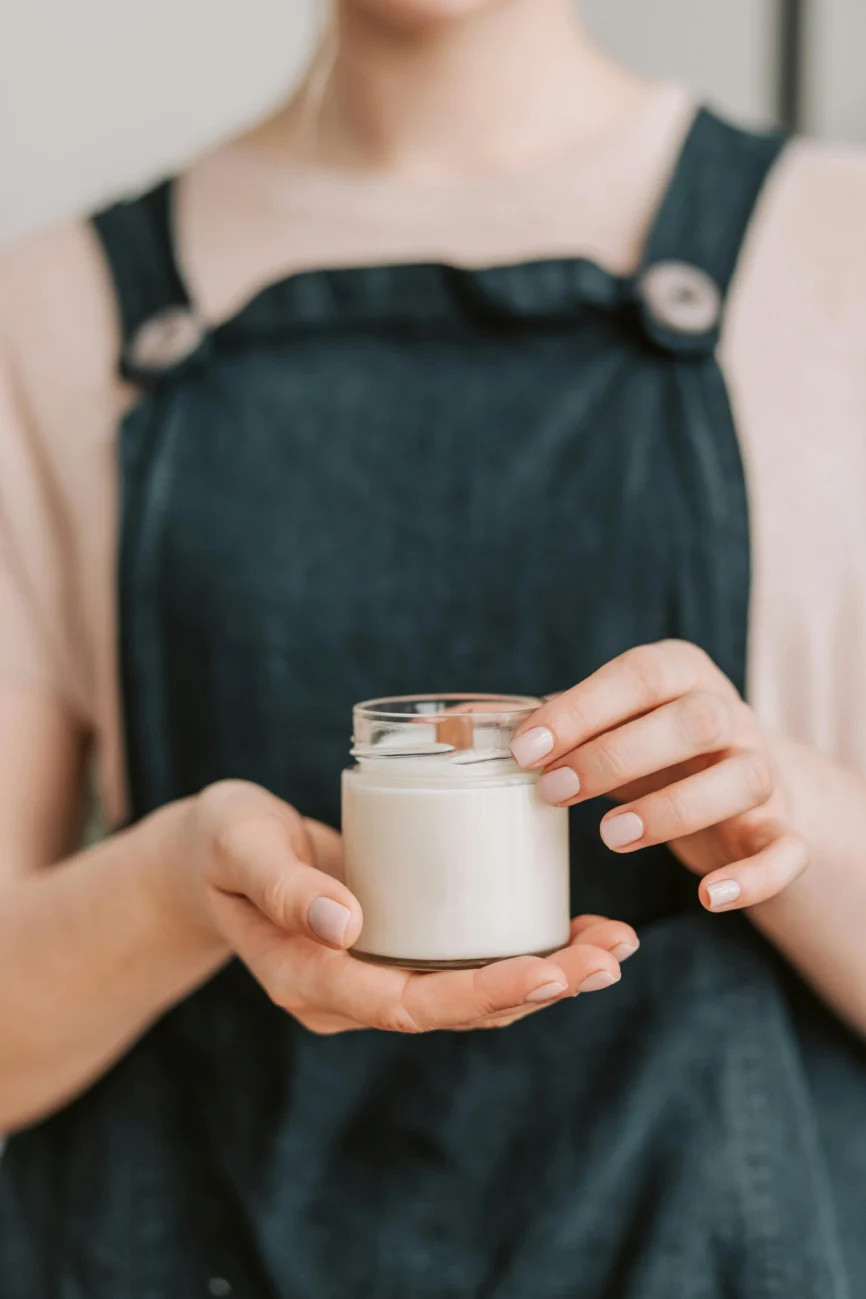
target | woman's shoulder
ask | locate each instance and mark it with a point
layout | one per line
(822, 173)
(58, 320)
(801, 286)
(814, 213)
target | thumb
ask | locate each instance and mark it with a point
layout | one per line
(327, 845)
(261, 858)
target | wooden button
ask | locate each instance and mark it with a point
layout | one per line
(165, 340)
(681, 297)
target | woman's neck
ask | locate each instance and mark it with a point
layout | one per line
(493, 91)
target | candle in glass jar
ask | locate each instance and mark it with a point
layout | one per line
(454, 858)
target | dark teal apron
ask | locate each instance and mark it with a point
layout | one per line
(419, 478)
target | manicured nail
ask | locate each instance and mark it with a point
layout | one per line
(532, 746)
(329, 921)
(595, 982)
(623, 951)
(547, 992)
(622, 830)
(558, 786)
(724, 892)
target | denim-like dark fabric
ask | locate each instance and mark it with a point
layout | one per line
(397, 479)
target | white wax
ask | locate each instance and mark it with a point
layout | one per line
(469, 867)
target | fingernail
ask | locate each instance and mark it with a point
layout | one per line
(329, 921)
(558, 786)
(622, 830)
(532, 746)
(596, 982)
(724, 892)
(623, 951)
(547, 992)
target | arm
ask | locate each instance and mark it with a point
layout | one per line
(90, 952)
(96, 947)
(819, 922)
(665, 733)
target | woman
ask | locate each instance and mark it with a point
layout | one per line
(423, 384)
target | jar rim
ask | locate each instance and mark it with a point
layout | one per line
(511, 706)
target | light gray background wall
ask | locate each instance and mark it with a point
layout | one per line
(836, 70)
(100, 95)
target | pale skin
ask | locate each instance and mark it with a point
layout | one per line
(95, 945)
(767, 824)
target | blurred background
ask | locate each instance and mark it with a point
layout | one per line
(100, 96)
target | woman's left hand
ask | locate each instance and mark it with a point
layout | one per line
(665, 733)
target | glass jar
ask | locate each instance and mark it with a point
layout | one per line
(454, 858)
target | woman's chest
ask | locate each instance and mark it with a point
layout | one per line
(508, 507)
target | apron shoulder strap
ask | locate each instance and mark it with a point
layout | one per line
(692, 253)
(716, 186)
(138, 243)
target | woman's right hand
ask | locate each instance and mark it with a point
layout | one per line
(266, 884)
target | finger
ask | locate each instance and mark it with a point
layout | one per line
(398, 1001)
(327, 1025)
(501, 1021)
(335, 983)
(612, 936)
(395, 1000)
(579, 923)
(628, 686)
(440, 1001)
(255, 859)
(589, 968)
(698, 723)
(708, 798)
(757, 878)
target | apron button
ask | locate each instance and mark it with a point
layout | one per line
(165, 340)
(681, 297)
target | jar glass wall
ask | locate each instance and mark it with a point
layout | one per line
(455, 860)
